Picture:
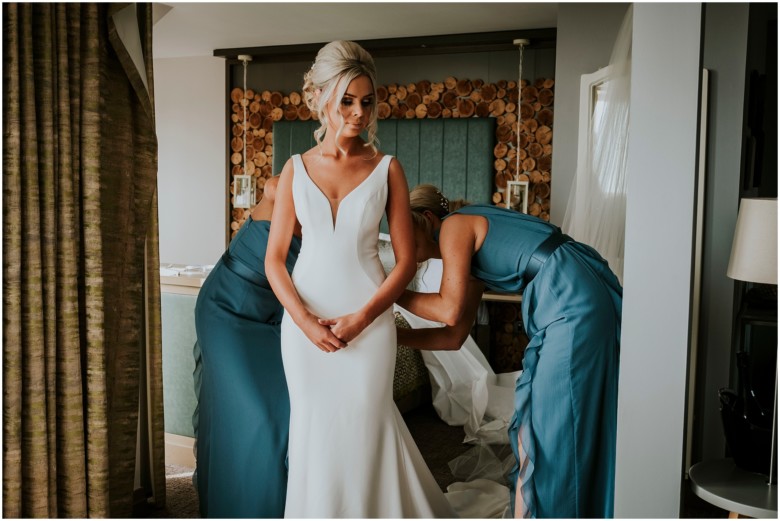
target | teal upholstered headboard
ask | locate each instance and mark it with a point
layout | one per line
(453, 154)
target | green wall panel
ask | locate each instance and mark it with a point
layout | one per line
(431, 154)
(291, 137)
(480, 141)
(387, 131)
(408, 152)
(454, 161)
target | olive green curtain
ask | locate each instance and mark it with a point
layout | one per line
(82, 379)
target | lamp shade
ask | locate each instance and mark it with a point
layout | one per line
(754, 250)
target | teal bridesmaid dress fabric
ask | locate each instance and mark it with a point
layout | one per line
(564, 427)
(243, 413)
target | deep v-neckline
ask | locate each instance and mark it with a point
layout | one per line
(334, 216)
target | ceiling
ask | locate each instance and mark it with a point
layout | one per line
(197, 29)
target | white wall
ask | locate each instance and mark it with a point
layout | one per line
(586, 34)
(658, 252)
(190, 96)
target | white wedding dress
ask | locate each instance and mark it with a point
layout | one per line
(350, 452)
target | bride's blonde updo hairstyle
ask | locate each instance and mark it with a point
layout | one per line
(428, 198)
(336, 65)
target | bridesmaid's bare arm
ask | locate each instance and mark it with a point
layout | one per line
(447, 338)
(264, 209)
(457, 239)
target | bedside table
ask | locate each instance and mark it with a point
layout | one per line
(723, 484)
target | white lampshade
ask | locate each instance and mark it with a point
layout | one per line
(754, 250)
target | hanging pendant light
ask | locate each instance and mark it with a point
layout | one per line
(517, 192)
(244, 184)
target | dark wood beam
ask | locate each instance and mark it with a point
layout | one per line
(416, 45)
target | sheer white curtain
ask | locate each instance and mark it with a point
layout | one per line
(596, 211)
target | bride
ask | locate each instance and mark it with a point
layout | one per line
(350, 453)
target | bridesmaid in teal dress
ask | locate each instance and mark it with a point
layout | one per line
(564, 427)
(243, 413)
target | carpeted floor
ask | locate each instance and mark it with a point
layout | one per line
(181, 499)
(439, 443)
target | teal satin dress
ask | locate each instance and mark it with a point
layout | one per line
(243, 413)
(564, 427)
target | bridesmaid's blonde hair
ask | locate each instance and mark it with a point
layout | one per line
(429, 198)
(336, 65)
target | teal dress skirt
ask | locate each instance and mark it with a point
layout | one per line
(242, 418)
(564, 426)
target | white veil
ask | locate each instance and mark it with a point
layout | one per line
(596, 211)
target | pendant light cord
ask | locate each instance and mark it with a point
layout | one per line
(244, 102)
(519, 102)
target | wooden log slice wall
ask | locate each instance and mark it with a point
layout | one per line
(524, 128)
(507, 336)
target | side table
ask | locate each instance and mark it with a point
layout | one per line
(723, 484)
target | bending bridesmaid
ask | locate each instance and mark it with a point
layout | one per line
(243, 413)
(563, 430)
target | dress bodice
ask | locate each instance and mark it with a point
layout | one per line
(339, 253)
(501, 263)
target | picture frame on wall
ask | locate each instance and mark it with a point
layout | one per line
(243, 191)
(516, 196)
